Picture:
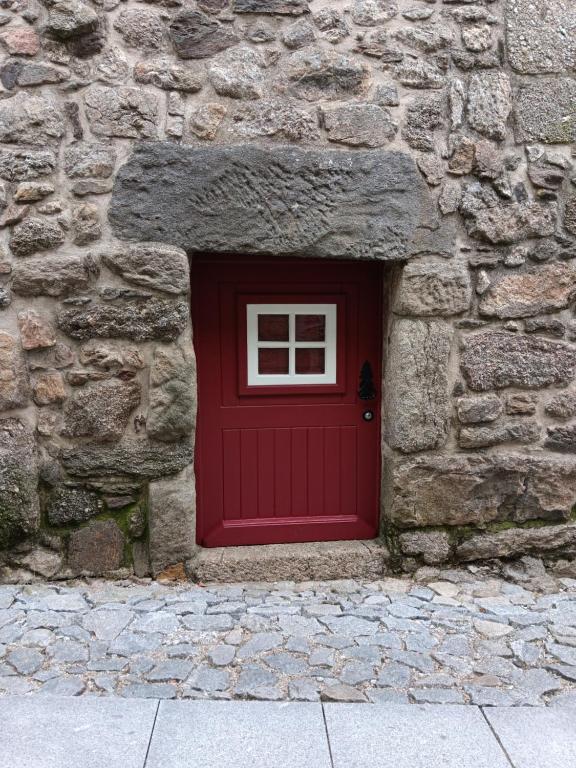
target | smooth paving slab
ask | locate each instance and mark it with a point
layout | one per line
(411, 736)
(248, 734)
(54, 732)
(537, 738)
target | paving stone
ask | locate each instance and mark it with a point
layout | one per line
(520, 733)
(67, 651)
(208, 623)
(260, 642)
(355, 673)
(170, 670)
(263, 734)
(209, 680)
(25, 661)
(287, 664)
(63, 686)
(436, 696)
(394, 675)
(222, 655)
(252, 681)
(342, 693)
(484, 696)
(150, 691)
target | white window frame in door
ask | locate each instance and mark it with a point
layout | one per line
(291, 378)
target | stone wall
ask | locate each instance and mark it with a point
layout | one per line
(436, 134)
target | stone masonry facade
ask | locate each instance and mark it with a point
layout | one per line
(434, 135)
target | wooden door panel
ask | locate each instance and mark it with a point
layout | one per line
(285, 463)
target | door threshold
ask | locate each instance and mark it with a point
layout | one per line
(313, 561)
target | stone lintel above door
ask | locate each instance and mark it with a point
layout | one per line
(248, 200)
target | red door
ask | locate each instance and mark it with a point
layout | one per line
(288, 435)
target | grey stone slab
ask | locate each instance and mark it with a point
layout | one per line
(411, 736)
(67, 733)
(249, 734)
(318, 203)
(535, 738)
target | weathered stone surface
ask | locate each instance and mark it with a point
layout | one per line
(282, 201)
(505, 223)
(432, 546)
(298, 34)
(35, 234)
(101, 410)
(138, 320)
(562, 439)
(25, 164)
(490, 103)
(97, 548)
(172, 511)
(206, 120)
(29, 119)
(153, 265)
(36, 332)
(533, 292)
(496, 359)
(59, 356)
(417, 398)
(485, 437)
(359, 125)
(89, 160)
(85, 223)
(124, 112)
(111, 356)
(72, 504)
(131, 457)
(418, 73)
(70, 18)
(164, 74)
(562, 406)
(280, 118)
(21, 40)
(369, 13)
(53, 275)
(283, 7)
(14, 383)
(541, 35)
(19, 507)
(474, 489)
(521, 404)
(238, 73)
(172, 411)
(18, 73)
(197, 36)
(48, 388)
(479, 410)
(315, 74)
(32, 191)
(517, 541)
(546, 111)
(433, 287)
(141, 28)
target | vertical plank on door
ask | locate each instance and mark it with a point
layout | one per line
(283, 472)
(232, 479)
(266, 460)
(299, 471)
(249, 470)
(333, 469)
(348, 480)
(316, 469)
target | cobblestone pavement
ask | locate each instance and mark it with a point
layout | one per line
(460, 636)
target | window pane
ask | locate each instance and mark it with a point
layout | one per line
(310, 327)
(272, 360)
(310, 360)
(273, 328)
